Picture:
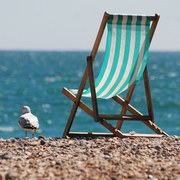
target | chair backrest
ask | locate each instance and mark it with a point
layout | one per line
(128, 40)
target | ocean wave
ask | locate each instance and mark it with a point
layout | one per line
(6, 129)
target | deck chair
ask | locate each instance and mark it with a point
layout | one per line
(125, 62)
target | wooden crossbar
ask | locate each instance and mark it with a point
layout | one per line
(125, 117)
(125, 135)
(89, 134)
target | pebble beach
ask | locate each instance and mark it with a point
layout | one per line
(90, 158)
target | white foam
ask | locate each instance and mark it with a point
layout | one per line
(6, 129)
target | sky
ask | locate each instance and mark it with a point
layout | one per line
(73, 24)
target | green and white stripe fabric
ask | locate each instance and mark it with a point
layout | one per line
(125, 56)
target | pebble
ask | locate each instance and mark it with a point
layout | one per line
(90, 158)
(42, 142)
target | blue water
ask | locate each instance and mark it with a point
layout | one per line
(36, 79)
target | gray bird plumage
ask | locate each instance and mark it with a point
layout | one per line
(28, 121)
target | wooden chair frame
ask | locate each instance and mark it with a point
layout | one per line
(125, 103)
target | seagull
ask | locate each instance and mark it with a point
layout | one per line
(28, 121)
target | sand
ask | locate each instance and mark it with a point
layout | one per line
(90, 158)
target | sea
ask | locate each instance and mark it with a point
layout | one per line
(36, 79)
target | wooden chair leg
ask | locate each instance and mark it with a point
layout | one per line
(92, 87)
(70, 119)
(124, 109)
(148, 94)
(75, 105)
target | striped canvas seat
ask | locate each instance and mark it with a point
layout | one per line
(125, 55)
